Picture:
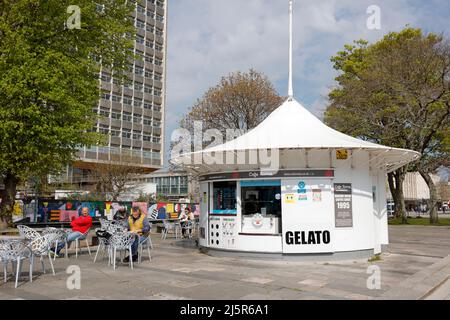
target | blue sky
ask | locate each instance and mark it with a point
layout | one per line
(208, 39)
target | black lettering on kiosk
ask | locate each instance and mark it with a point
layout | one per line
(326, 237)
(307, 237)
(318, 236)
(312, 238)
(297, 238)
(289, 237)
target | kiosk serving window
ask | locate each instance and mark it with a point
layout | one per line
(224, 197)
(262, 197)
(261, 207)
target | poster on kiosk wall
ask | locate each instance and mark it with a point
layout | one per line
(307, 215)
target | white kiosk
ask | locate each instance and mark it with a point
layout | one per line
(325, 195)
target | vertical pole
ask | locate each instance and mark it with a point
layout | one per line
(36, 207)
(36, 200)
(290, 90)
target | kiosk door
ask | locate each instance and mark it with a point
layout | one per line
(203, 219)
(307, 215)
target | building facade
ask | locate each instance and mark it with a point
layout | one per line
(132, 115)
(417, 193)
(172, 185)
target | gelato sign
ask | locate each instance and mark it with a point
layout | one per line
(307, 237)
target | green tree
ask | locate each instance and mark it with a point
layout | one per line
(146, 197)
(396, 92)
(50, 77)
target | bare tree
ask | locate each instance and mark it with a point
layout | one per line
(115, 177)
(239, 101)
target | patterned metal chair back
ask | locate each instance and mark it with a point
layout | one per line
(123, 223)
(104, 224)
(103, 241)
(117, 228)
(4, 246)
(28, 233)
(41, 245)
(60, 234)
(122, 240)
(167, 224)
(48, 230)
(13, 250)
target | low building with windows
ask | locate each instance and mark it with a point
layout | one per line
(417, 193)
(173, 185)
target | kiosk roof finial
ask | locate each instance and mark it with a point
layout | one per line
(290, 89)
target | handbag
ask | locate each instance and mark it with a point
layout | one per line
(103, 234)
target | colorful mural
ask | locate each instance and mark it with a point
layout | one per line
(142, 205)
(50, 210)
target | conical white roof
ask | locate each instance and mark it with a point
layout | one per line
(291, 126)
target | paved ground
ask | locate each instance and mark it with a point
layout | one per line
(417, 266)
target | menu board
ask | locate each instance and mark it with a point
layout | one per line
(224, 198)
(343, 205)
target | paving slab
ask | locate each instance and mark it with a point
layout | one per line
(416, 266)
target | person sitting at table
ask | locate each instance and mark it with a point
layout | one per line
(137, 223)
(80, 226)
(186, 218)
(121, 217)
(121, 214)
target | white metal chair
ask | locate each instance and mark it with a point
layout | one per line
(147, 243)
(122, 223)
(14, 251)
(121, 242)
(60, 237)
(40, 247)
(77, 243)
(27, 232)
(188, 228)
(104, 243)
(104, 224)
(170, 226)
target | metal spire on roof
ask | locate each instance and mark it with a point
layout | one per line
(290, 90)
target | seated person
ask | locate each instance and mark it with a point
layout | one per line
(137, 223)
(186, 218)
(120, 214)
(121, 217)
(80, 226)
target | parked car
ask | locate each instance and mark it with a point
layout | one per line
(444, 206)
(390, 210)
